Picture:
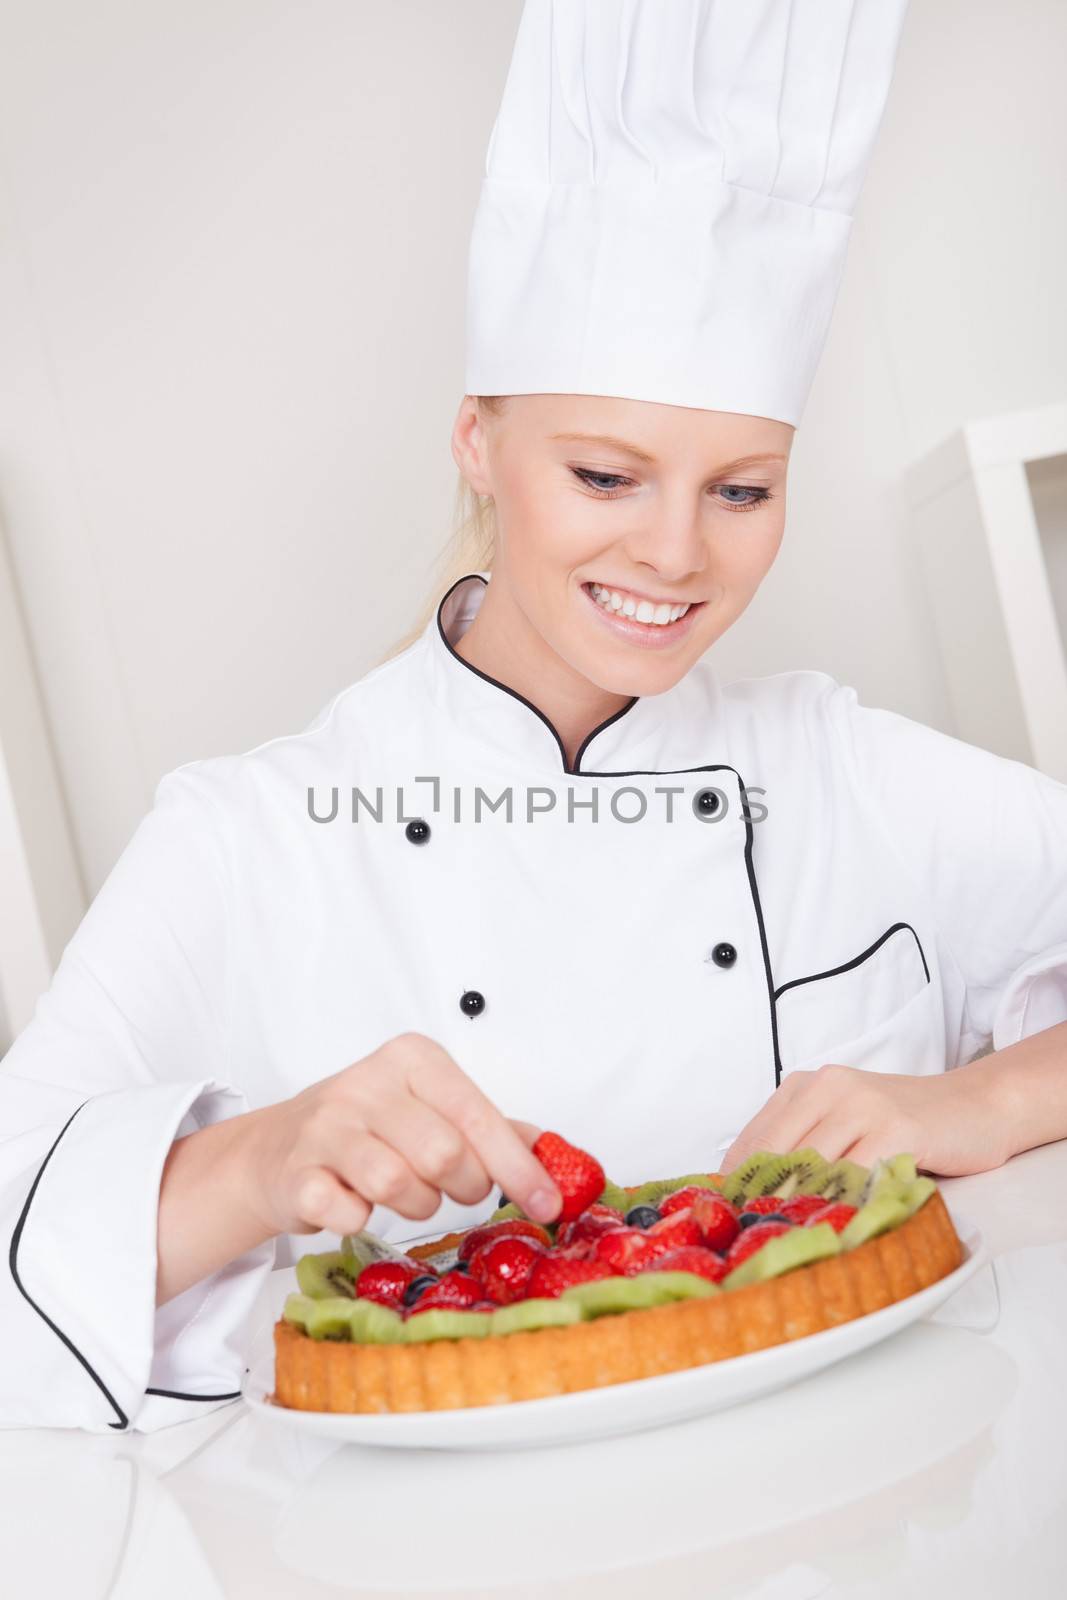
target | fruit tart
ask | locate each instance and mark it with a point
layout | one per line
(627, 1283)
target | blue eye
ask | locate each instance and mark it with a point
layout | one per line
(587, 476)
(610, 485)
(761, 495)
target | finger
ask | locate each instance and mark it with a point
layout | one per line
(381, 1175)
(321, 1200)
(779, 1125)
(834, 1135)
(436, 1078)
(528, 1132)
(433, 1147)
(868, 1149)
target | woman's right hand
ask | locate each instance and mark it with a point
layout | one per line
(400, 1128)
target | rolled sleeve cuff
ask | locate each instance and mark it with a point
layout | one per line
(83, 1259)
(1035, 998)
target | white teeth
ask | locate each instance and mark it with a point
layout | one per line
(641, 611)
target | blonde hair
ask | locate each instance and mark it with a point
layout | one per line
(470, 545)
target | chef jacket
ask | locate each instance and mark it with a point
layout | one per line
(730, 882)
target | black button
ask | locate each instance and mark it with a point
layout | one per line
(417, 832)
(724, 955)
(472, 1003)
(706, 802)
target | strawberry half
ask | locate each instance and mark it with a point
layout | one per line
(678, 1229)
(837, 1215)
(590, 1225)
(551, 1275)
(764, 1205)
(803, 1206)
(501, 1267)
(456, 1291)
(746, 1244)
(515, 1228)
(385, 1281)
(693, 1258)
(716, 1219)
(626, 1251)
(578, 1176)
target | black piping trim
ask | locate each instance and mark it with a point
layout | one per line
(16, 1237)
(175, 1394)
(724, 766)
(514, 693)
(856, 960)
(576, 771)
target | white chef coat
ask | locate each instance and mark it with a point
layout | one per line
(859, 888)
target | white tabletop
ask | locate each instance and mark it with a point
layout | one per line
(933, 1463)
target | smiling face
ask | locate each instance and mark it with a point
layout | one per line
(630, 534)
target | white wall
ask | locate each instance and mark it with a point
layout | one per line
(232, 256)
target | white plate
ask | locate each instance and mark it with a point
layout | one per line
(615, 1408)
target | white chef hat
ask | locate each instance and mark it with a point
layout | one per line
(668, 195)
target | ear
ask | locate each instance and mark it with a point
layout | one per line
(470, 447)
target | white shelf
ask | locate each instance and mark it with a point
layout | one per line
(996, 576)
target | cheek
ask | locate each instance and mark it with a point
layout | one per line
(545, 525)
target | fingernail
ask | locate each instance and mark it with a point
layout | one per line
(543, 1204)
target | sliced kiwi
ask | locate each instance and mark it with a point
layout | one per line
(605, 1295)
(371, 1323)
(737, 1184)
(524, 1315)
(797, 1248)
(509, 1213)
(613, 1194)
(884, 1211)
(903, 1167)
(330, 1319)
(360, 1249)
(657, 1189)
(801, 1166)
(324, 1276)
(917, 1193)
(440, 1323)
(296, 1310)
(841, 1182)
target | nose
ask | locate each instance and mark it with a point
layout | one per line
(671, 540)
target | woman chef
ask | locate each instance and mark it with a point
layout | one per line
(542, 865)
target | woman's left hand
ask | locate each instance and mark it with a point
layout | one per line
(948, 1121)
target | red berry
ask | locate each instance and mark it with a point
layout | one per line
(578, 1176)
(501, 1267)
(678, 1229)
(455, 1291)
(515, 1228)
(802, 1206)
(693, 1258)
(680, 1199)
(747, 1243)
(765, 1205)
(385, 1281)
(590, 1225)
(716, 1219)
(551, 1276)
(838, 1216)
(625, 1251)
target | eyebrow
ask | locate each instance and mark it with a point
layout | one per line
(614, 443)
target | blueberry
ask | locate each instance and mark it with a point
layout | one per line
(458, 1266)
(417, 1287)
(747, 1218)
(642, 1217)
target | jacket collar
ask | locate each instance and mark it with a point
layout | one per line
(679, 730)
